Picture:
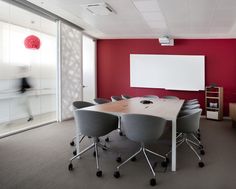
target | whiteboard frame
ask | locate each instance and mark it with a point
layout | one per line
(172, 72)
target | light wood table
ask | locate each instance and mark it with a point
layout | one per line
(165, 108)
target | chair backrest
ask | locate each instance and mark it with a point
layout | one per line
(151, 96)
(171, 97)
(190, 102)
(81, 104)
(95, 124)
(101, 100)
(116, 98)
(125, 97)
(142, 128)
(191, 106)
(189, 122)
(186, 103)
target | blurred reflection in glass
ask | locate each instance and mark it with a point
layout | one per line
(24, 88)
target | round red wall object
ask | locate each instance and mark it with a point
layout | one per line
(32, 42)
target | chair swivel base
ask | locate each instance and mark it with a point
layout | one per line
(144, 150)
(189, 143)
(95, 145)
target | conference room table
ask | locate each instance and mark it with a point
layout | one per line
(165, 108)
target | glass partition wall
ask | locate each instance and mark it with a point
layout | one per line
(28, 69)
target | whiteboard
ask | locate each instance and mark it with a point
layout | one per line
(176, 72)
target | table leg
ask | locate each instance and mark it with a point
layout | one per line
(173, 153)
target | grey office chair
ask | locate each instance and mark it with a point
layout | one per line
(189, 105)
(192, 102)
(94, 124)
(77, 105)
(171, 97)
(185, 111)
(101, 100)
(151, 96)
(197, 133)
(144, 129)
(187, 126)
(125, 97)
(116, 98)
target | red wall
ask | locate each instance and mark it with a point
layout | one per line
(113, 69)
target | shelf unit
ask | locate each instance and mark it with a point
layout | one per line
(214, 103)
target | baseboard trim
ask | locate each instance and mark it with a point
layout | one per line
(25, 129)
(68, 119)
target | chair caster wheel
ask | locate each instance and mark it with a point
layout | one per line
(72, 143)
(202, 152)
(74, 152)
(99, 173)
(165, 163)
(167, 160)
(133, 158)
(94, 154)
(201, 164)
(121, 134)
(116, 174)
(107, 139)
(153, 182)
(199, 135)
(199, 138)
(118, 160)
(70, 167)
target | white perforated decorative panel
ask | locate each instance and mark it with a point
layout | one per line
(71, 74)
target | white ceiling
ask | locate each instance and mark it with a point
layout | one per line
(151, 18)
(23, 18)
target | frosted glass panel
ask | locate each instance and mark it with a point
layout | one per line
(36, 103)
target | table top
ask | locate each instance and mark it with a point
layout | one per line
(165, 108)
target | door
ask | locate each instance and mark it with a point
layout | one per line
(89, 69)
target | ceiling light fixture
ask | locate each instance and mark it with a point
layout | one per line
(102, 9)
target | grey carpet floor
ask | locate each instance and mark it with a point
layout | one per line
(39, 159)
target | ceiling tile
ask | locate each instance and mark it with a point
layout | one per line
(146, 5)
(157, 24)
(152, 15)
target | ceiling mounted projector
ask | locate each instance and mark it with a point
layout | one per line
(166, 41)
(101, 9)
